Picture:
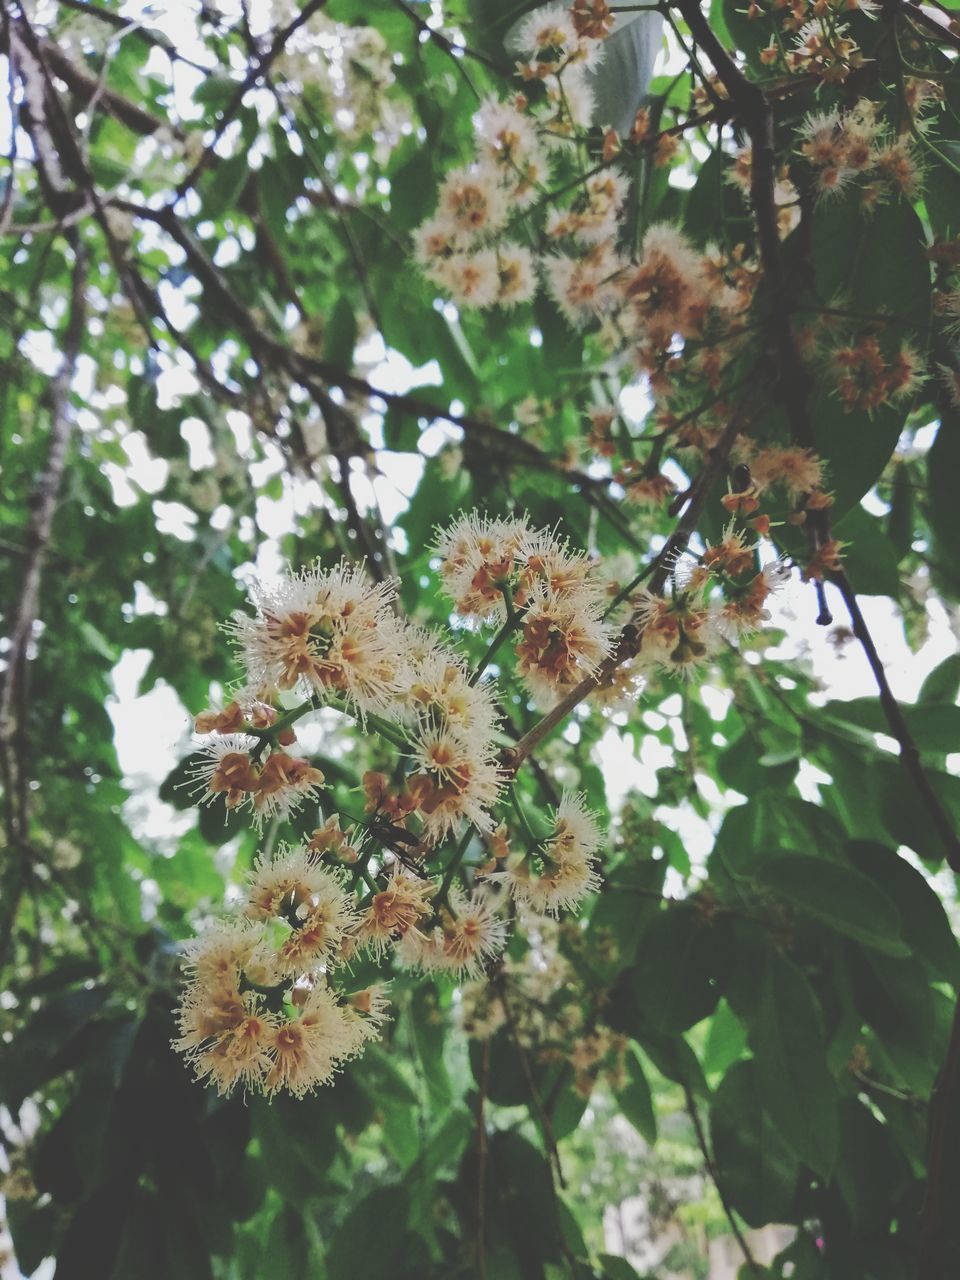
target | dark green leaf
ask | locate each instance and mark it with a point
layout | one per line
(795, 1087)
(842, 898)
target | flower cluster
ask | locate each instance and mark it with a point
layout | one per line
(332, 637)
(842, 146)
(559, 871)
(323, 632)
(467, 247)
(544, 993)
(258, 1009)
(867, 378)
(530, 582)
(812, 38)
(713, 599)
(247, 772)
(350, 68)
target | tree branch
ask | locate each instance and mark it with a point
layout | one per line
(255, 73)
(711, 1168)
(14, 697)
(546, 1125)
(909, 754)
(130, 114)
(754, 112)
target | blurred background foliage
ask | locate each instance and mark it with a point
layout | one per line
(776, 989)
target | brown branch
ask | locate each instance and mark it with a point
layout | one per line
(130, 114)
(514, 448)
(70, 155)
(122, 24)
(14, 697)
(755, 114)
(546, 1125)
(753, 111)
(909, 754)
(711, 1169)
(344, 440)
(307, 371)
(255, 73)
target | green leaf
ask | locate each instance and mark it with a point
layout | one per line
(619, 916)
(726, 1040)
(373, 1239)
(673, 983)
(942, 684)
(617, 1268)
(674, 1059)
(872, 1173)
(636, 1101)
(45, 1047)
(934, 727)
(837, 895)
(942, 189)
(925, 924)
(943, 467)
(523, 1206)
(428, 1020)
(33, 1229)
(870, 558)
(901, 518)
(796, 1089)
(222, 187)
(756, 1168)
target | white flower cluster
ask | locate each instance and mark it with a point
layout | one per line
(486, 246)
(502, 570)
(259, 1009)
(332, 637)
(466, 247)
(842, 146)
(562, 869)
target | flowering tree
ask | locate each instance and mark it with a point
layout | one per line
(449, 406)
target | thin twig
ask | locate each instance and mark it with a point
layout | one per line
(480, 1240)
(119, 22)
(711, 1169)
(909, 754)
(546, 1125)
(14, 697)
(254, 74)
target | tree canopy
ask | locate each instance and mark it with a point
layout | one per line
(465, 414)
